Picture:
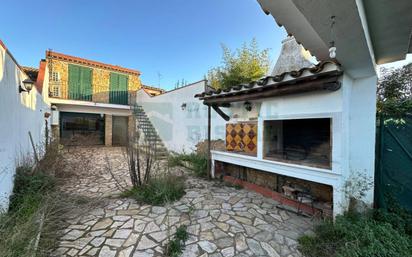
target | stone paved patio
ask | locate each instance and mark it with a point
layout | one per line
(221, 220)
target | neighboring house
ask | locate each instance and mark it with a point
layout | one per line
(315, 127)
(179, 119)
(153, 91)
(90, 100)
(21, 112)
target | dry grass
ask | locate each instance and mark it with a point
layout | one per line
(38, 208)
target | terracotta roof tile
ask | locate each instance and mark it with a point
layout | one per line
(31, 72)
(78, 60)
(290, 76)
(153, 88)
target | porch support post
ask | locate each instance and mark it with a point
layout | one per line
(108, 133)
(209, 114)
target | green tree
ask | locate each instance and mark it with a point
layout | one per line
(244, 65)
(395, 91)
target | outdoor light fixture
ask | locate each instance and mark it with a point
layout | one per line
(332, 47)
(27, 86)
(183, 106)
(248, 106)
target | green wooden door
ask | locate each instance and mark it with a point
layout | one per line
(80, 83)
(118, 89)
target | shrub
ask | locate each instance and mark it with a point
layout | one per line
(28, 191)
(19, 227)
(400, 219)
(195, 162)
(246, 64)
(175, 246)
(159, 190)
(355, 235)
(174, 160)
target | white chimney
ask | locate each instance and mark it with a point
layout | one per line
(292, 57)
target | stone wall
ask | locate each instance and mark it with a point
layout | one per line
(63, 69)
(100, 85)
(134, 83)
(108, 129)
(100, 81)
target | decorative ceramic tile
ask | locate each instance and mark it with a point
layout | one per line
(241, 137)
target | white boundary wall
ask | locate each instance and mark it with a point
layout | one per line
(19, 114)
(180, 129)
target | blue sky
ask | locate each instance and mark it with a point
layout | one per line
(179, 39)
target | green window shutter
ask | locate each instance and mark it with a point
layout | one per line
(123, 80)
(86, 83)
(114, 85)
(118, 89)
(74, 81)
(80, 83)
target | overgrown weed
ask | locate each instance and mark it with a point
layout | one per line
(176, 246)
(159, 190)
(197, 163)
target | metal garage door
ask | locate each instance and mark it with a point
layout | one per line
(120, 125)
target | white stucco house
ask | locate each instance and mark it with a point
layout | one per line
(313, 127)
(180, 119)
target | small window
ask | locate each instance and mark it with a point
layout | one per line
(55, 91)
(55, 76)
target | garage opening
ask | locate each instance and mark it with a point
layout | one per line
(300, 141)
(81, 128)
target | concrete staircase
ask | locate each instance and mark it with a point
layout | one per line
(150, 134)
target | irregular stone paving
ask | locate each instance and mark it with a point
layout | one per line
(87, 170)
(221, 221)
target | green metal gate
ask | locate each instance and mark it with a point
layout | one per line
(393, 177)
